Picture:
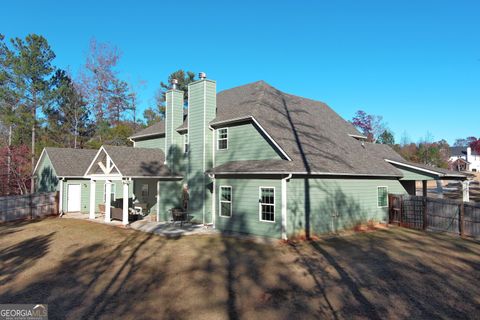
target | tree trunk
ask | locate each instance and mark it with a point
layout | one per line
(34, 114)
(9, 159)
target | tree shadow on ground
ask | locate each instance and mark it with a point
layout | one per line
(392, 274)
(19, 257)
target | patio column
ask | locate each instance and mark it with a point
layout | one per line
(125, 202)
(92, 199)
(60, 198)
(108, 200)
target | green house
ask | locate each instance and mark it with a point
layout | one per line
(251, 159)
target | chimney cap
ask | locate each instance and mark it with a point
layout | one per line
(202, 75)
(174, 83)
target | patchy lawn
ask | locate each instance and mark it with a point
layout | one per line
(89, 270)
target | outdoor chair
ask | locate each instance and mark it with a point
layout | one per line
(117, 213)
(179, 215)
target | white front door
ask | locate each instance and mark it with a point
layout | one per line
(73, 198)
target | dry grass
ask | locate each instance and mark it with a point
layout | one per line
(88, 270)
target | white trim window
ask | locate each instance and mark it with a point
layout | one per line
(185, 143)
(112, 192)
(225, 201)
(266, 205)
(382, 197)
(222, 139)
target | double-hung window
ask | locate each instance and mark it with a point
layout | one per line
(185, 143)
(267, 204)
(382, 197)
(225, 201)
(222, 139)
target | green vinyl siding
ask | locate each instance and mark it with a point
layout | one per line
(245, 142)
(202, 106)
(84, 195)
(335, 204)
(170, 197)
(46, 179)
(245, 198)
(412, 174)
(99, 191)
(151, 198)
(154, 143)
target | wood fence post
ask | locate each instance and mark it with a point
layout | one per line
(424, 192)
(30, 204)
(461, 220)
(425, 221)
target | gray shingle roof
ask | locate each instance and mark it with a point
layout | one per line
(70, 162)
(139, 162)
(312, 135)
(461, 151)
(153, 130)
(386, 152)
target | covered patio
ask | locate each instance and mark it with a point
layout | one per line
(138, 173)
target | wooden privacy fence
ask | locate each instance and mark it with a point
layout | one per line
(444, 215)
(29, 206)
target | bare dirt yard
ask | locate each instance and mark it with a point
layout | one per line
(90, 270)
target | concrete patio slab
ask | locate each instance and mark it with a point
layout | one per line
(171, 230)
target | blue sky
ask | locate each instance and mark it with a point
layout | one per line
(416, 63)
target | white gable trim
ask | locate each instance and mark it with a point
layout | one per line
(220, 123)
(106, 170)
(414, 167)
(40, 159)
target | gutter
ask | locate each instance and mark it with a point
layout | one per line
(284, 206)
(314, 173)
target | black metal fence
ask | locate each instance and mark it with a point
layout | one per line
(29, 206)
(431, 214)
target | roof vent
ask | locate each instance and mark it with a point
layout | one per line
(174, 84)
(202, 75)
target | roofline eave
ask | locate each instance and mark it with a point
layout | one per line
(133, 138)
(309, 173)
(433, 172)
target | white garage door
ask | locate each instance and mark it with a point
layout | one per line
(73, 197)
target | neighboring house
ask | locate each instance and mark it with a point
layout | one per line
(254, 160)
(464, 159)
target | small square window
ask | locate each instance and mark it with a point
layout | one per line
(225, 201)
(222, 139)
(382, 197)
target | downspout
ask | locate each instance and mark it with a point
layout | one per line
(284, 206)
(214, 198)
(212, 176)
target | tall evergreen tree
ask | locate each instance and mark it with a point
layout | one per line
(68, 116)
(386, 138)
(31, 64)
(184, 78)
